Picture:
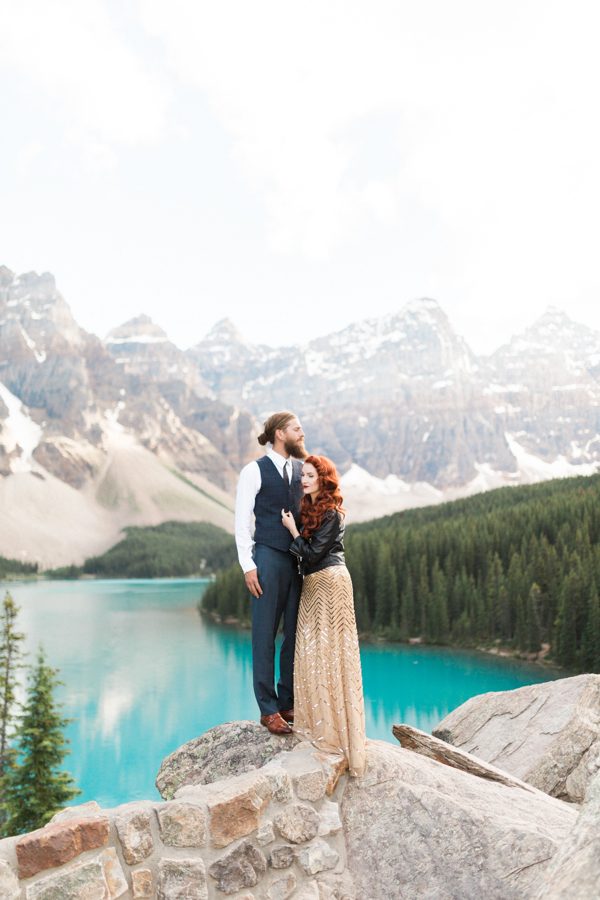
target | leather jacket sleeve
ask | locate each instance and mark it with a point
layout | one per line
(321, 542)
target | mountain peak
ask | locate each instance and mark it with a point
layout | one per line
(554, 325)
(225, 327)
(6, 276)
(139, 330)
(224, 331)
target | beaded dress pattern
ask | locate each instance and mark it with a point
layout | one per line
(328, 693)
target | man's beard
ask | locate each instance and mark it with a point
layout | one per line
(296, 449)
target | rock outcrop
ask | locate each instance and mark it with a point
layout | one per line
(253, 816)
(575, 870)
(546, 734)
(415, 828)
(223, 751)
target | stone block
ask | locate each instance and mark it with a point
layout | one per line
(265, 834)
(281, 857)
(115, 877)
(59, 843)
(282, 888)
(329, 819)
(83, 811)
(133, 828)
(311, 785)
(297, 823)
(318, 857)
(241, 867)
(182, 824)
(182, 878)
(99, 878)
(334, 766)
(280, 781)
(9, 883)
(142, 884)
(308, 773)
(234, 808)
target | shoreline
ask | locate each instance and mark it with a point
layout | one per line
(541, 658)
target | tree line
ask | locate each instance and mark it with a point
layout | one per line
(173, 549)
(32, 742)
(10, 567)
(518, 566)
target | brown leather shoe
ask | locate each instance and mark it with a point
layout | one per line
(288, 715)
(275, 724)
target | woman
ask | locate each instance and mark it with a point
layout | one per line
(328, 705)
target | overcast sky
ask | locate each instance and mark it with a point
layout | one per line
(297, 166)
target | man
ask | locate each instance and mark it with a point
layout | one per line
(266, 487)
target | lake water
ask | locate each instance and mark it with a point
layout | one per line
(143, 673)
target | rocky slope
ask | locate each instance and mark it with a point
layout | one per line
(95, 436)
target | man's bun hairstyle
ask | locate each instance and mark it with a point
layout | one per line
(274, 423)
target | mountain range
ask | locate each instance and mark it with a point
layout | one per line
(99, 434)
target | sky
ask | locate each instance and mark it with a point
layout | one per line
(296, 167)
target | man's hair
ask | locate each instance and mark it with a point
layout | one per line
(275, 422)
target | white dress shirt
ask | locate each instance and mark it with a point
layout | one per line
(248, 487)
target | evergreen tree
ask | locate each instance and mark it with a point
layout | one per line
(386, 588)
(10, 662)
(35, 786)
(533, 619)
(565, 640)
(438, 615)
(590, 643)
(407, 609)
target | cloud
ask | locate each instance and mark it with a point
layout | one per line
(72, 51)
(488, 111)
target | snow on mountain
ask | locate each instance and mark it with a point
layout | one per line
(19, 434)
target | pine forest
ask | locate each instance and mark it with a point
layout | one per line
(518, 567)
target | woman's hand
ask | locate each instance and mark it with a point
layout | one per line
(287, 520)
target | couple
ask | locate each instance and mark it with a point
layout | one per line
(294, 568)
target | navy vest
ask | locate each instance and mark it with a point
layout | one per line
(271, 499)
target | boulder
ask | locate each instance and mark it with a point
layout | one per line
(575, 870)
(229, 749)
(417, 828)
(546, 734)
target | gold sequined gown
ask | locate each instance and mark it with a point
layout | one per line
(328, 695)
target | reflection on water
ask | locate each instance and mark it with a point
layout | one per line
(143, 673)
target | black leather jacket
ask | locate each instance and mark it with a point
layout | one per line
(324, 548)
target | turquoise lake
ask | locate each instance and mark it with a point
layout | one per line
(143, 672)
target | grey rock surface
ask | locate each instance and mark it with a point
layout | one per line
(575, 870)
(9, 884)
(416, 828)
(239, 868)
(223, 751)
(298, 823)
(182, 878)
(546, 734)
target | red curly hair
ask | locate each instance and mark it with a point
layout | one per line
(329, 496)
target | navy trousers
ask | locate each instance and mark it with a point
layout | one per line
(280, 582)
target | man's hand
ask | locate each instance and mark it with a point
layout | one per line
(252, 582)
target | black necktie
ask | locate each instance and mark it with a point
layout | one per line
(286, 477)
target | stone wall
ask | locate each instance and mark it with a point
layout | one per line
(268, 834)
